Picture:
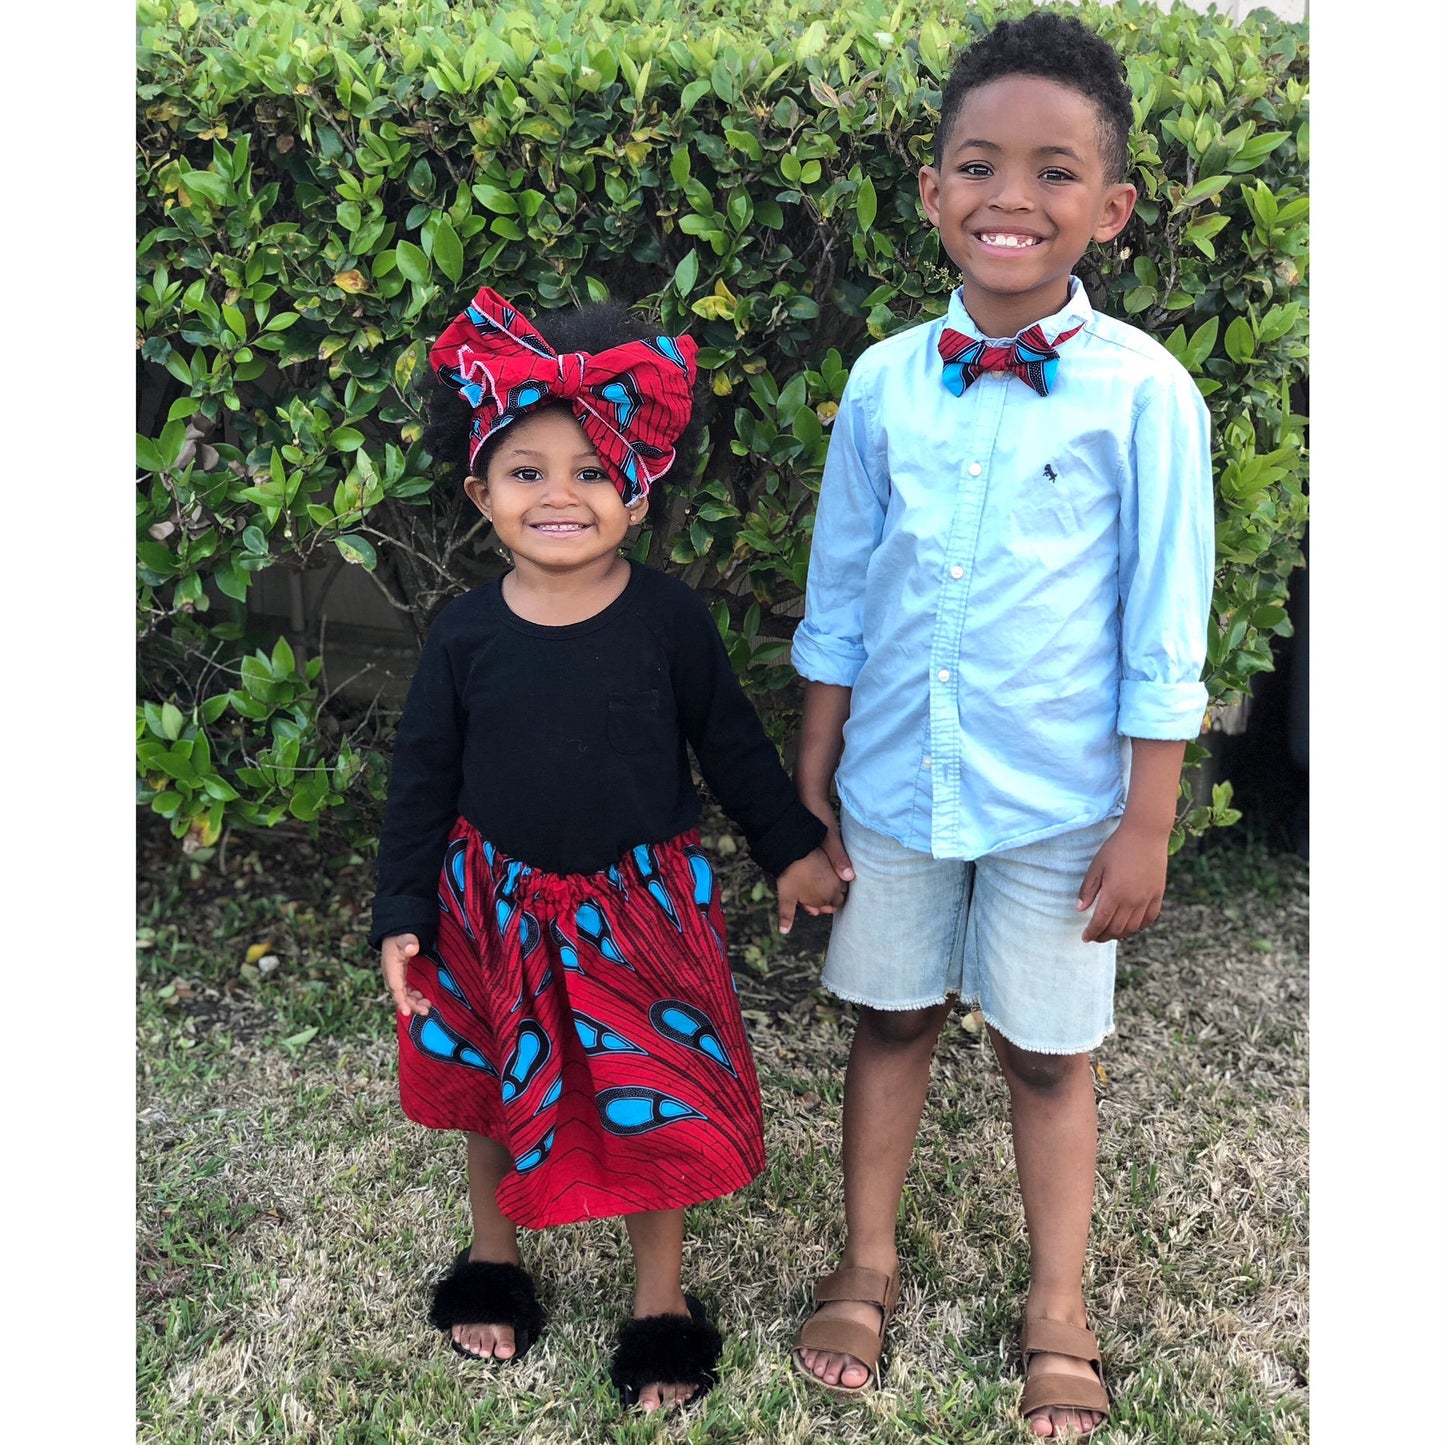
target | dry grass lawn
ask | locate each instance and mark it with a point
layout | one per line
(291, 1221)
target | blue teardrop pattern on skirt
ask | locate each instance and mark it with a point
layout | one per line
(690, 1027)
(440, 1041)
(597, 1038)
(592, 925)
(639, 1111)
(646, 861)
(533, 1049)
(535, 1157)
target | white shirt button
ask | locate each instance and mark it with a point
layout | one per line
(955, 572)
(928, 762)
(943, 674)
(975, 470)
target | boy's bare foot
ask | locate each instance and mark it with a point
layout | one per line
(1055, 1421)
(835, 1369)
(852, 1307)
(1064, 1327)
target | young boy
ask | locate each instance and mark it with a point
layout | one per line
(1005, 630)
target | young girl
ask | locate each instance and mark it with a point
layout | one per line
(549, 927)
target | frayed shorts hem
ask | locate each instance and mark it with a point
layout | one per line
(1035, 1048)
(891, 1007)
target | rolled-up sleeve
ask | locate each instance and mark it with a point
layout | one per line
(852, 503)
(1166, 564)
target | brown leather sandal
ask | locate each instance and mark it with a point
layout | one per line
(847, 1337)
(1058, 1391)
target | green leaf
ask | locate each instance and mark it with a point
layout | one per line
(1239, 340)
(1204, 190)
(496, 200)
(792, 396)
(147, 455)
(206, 184)
(446, 250)
(357, 549)
(867, 204)
(680, 167)
(684, 278)
(172, 721)
(412, 262)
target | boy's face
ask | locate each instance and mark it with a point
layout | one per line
(1020, 194)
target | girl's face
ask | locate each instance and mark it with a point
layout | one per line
(548, 498)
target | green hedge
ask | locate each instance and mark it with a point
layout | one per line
(322, 185)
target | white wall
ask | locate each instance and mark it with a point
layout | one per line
(1285, 9)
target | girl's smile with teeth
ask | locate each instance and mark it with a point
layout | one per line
(1006, 238)
(544, 486)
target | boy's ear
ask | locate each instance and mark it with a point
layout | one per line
(928, 193)
(476, 489)
(1117, 208)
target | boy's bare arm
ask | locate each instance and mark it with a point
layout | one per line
(1125, 882)
(820, 745)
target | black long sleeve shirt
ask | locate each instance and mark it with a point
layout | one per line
(567, 746)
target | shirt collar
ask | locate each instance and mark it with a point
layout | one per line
(1076, 311)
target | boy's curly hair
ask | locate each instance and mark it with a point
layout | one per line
(1052, 47)
(593, 327)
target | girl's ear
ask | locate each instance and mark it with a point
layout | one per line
(476, 489)
(637, 511)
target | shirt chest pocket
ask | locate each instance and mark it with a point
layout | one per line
(635, 722)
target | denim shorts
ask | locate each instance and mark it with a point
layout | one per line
(1001, 933)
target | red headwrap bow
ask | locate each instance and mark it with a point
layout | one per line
(633, 401)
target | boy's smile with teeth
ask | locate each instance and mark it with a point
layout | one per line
(1020, 193)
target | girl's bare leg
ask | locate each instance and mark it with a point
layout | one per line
(656, 1239)
(494, 1239)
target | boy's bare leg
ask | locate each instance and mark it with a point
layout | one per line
(1055, 1130)
(494, 1239)
(883, 1097)
(656, 1238)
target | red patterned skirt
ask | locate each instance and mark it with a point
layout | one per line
(590, 1024)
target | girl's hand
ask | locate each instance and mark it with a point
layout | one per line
(396, 952)
(811, 882)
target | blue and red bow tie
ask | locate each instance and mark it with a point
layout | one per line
(1030, 356)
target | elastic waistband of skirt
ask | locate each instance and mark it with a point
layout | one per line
(637, 864)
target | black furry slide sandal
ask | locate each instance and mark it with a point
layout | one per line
(479, 1293)
(667, 1350)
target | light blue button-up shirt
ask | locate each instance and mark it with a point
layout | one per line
(1012, 585)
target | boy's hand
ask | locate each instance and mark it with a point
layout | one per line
(396, 952)
(811, 883)
(1125, 883)
(832, 845)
